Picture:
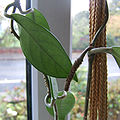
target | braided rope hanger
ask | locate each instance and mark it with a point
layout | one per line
(98, 93)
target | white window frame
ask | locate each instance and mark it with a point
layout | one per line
(58, 15)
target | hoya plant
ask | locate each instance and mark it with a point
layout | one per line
(45, 52)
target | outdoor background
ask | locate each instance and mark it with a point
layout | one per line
(12, 63)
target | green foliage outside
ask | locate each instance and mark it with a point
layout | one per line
(114, 99)
(13, 104)
(80, 24)
(12, 108)
(115, 7)
(6, 38)
(81, 30)
(79, 89)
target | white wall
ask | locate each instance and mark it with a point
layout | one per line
(57, 13)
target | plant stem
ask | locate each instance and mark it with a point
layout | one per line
(100, 50)
(12, 26)
(55, 112)
(75, 66)
(91, 58)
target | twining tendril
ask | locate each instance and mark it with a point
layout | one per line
(12, 26)
(15, 4)
(63, 95)
(49, 101)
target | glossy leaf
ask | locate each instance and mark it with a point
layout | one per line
(116, 54)
(42, 48)
(64, 106)
(38, 18)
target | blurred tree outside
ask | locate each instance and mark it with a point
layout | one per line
(115, 7)
(80, 30)
(6, 38)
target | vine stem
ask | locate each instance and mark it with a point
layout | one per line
(15, 4)
(55, 112)
(75, 66)
(100, 50)
(12, 26)
(90, 61)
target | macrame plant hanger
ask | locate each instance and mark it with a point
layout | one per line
(98, 91)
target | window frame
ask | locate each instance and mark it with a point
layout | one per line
(29, 79)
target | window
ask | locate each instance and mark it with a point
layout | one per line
(60, 25)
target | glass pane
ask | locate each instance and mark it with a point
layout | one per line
(80, 34)
(12, 72)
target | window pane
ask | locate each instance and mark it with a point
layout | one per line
(80, 34)
(12, 72)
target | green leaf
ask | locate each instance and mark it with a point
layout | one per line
(116, 54)
(53, 87)
(42, 48)
(38, 18)
(64, 106)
